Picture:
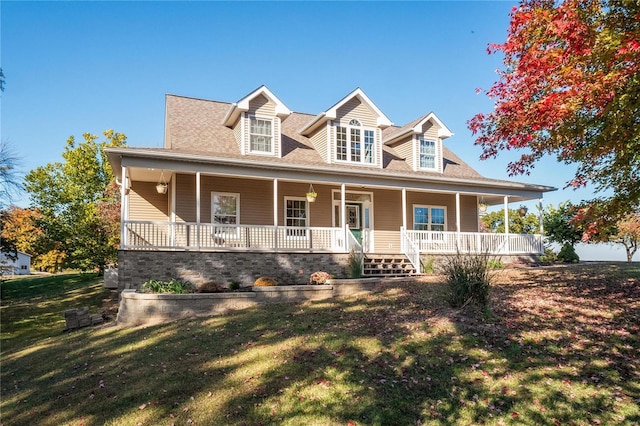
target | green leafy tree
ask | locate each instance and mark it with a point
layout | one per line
(494, 222)
(72, 195)
(561, 224)
(570, 88)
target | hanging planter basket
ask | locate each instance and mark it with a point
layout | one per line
(162, 186)
(311, 194)
(523, 211)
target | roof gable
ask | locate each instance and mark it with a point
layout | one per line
(416, 127)
(381, 119)
(244, 104)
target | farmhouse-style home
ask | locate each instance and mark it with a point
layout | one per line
(252, 188)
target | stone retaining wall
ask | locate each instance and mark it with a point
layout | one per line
(135, 267)
(148, 308)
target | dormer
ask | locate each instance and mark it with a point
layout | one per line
(350, 132)
(256, 121)
(420, 143)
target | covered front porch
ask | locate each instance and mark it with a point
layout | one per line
(146, 235)
(166, 209)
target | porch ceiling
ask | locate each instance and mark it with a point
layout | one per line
(143, 174)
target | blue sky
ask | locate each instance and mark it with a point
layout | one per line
(76, 67)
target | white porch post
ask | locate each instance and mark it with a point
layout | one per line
(404, 208)
(172, 210)
(198, 209)
(541, 219)
(506, 222)
(404, 219)
(275, 214)
(123, 208)
(343, 212)
(275, 202)
(458, 219)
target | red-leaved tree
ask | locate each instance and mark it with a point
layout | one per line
(571, 89)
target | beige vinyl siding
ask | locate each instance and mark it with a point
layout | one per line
(429, 131)
(237, 133)
(262, 107)
(387, 213)
(468, 213)
(355, 109)
(255, 198)
(185, 198)
(319, 141)
(406, 151)
(378, 148)
(146, 204)
(432, 199)
(319, 210)
(358, 110)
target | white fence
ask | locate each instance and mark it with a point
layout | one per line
(475, 242)
(143, 235)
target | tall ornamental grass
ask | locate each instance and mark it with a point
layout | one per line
(469, 277)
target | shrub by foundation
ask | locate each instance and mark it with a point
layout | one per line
(210, 287)
(265, 282)
(319, 277)
(172, 286)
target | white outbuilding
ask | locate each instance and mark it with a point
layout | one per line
(20, 266)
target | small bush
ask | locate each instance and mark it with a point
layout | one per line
(319, 277)
(210, 287)
(428, 266)
(355, 265)
(549, 255)
(234, 285)
(468, 277)
(172, 286)
(265, 282)
(495, 264)
(568, 254)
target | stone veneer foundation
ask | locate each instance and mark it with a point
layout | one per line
(137, 266)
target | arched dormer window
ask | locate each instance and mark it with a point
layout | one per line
(354, 143)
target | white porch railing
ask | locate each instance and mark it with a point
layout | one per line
(144, 235)
(451, 242)
(410, 249)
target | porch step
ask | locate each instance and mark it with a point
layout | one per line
(387, 265)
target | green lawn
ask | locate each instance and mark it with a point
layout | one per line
(560, 346)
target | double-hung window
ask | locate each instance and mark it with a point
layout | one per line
(355, 143)
(225, 212)
(261, 135)
(427, 154)
(429, 218)
(296, 216)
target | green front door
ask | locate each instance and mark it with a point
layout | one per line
(354, 220)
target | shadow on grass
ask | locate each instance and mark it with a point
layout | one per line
(400, 356)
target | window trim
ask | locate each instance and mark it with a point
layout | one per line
(307, 219)
(362, 133)
(436, 153)
(273, 137)
(230, 234)
(429, 223)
